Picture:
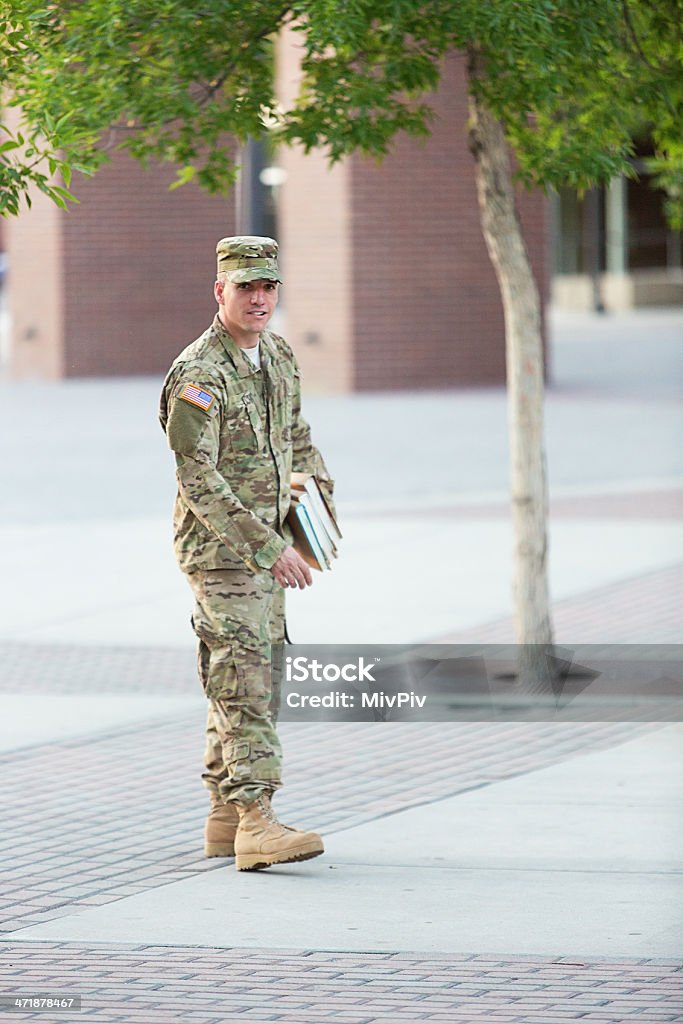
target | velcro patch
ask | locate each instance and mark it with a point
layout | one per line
(197, 396)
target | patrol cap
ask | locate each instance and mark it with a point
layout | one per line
(248, 258)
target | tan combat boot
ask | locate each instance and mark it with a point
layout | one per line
(219, 831)
(261, 840)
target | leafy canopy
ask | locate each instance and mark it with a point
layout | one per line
(180, 80)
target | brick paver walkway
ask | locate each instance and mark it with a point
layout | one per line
(154, 984)
(645, 609)
(646, 505)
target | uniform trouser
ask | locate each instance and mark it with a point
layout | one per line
(239, 621)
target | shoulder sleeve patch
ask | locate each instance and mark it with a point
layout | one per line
(195, 395)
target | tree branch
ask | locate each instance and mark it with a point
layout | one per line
(634, 36)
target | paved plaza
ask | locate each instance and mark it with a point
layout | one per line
(525, 871)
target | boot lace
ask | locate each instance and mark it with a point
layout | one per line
(267, 811)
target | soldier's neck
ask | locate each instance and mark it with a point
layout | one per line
(243, 339)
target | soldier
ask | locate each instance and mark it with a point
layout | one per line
(231, 410)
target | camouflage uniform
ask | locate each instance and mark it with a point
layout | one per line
(237, 433)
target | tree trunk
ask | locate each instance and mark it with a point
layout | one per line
(524, 359)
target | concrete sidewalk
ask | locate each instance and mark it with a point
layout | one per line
(522, 872)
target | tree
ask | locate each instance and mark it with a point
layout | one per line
(563, 84)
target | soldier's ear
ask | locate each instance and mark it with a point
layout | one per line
(218, 291)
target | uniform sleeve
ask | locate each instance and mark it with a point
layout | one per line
(193, 432)
(305, 456)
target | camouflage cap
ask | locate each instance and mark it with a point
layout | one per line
(248, 258)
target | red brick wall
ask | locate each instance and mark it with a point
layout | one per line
(426, 306)
(139, 266)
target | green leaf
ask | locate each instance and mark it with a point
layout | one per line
(185, 174)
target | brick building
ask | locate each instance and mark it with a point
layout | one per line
(387, 279)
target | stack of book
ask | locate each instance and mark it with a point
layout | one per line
(316, 533)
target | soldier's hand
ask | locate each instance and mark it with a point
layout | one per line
(291, 570)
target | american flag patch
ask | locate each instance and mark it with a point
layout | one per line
(197, 396)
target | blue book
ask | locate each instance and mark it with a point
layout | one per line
(310, 548)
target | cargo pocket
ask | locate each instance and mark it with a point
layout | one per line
(222, 681)
(253, 668)
(238, 762)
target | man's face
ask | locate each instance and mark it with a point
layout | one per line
(246, 308)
